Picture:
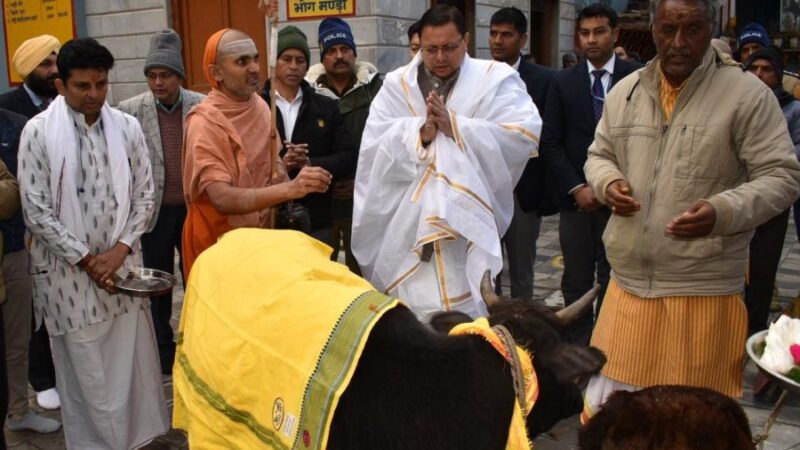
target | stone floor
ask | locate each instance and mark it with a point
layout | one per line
(784, 434)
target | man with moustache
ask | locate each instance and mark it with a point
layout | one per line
(354, 84)
(446, 141)
(689, 171)
(35, 62)
(310, 126)
(574, 106)
(507, 36)
(227, 178)
(161, 112)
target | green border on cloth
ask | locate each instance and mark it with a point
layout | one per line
(332, 373)
(217, 401)
(335, 367)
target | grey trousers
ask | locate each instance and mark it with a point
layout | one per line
(17, 312)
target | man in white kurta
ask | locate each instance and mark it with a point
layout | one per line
(446, 141)
(87, 198)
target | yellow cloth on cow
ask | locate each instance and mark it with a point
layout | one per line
(517, 432)
(32, 52)
(270, 334)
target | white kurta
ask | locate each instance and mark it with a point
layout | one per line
(104, 349)
(456, 194)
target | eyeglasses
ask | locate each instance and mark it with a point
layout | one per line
(446, 50)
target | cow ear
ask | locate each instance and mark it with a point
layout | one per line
(572, 363)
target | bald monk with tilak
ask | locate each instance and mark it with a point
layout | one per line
(228, 151)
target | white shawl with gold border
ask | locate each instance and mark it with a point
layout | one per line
(462, 188)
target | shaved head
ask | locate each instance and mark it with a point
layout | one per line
(235, 43)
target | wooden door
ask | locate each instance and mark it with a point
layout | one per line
(197, 20)
(543, 21)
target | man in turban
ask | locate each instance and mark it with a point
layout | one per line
(228, 178)
(35, 62)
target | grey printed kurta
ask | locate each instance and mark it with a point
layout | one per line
(63, 293)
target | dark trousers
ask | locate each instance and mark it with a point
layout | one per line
(3, 384)
(158, 251)
(41, 373)
(765, 255)
(342, 231)
(520, 246)
(581, 236)
(796, 209)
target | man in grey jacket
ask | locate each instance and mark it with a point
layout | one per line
(765, 248)
(161, 112)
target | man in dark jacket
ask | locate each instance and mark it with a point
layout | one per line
(311, 128)
(507, 37)
(18, 308)
(35, 62)
(354, 84)
(767, 243)
(574, 106)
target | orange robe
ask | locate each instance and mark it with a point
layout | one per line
(224, 141)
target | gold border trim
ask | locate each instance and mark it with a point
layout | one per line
(523, 131)
(401, 278)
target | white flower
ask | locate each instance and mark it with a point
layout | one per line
(782, 334)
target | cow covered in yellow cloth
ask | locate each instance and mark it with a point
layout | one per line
(280, 348)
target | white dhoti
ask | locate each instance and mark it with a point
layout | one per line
(446, 274)
(455, 194)
(109, 380)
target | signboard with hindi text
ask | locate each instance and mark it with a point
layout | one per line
(24, 19)
(314, 9)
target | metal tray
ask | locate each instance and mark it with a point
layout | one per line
(144, 282)
(754, 351)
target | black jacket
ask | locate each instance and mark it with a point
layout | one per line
(19, 102)
(569, 127)
(330, 146)
(11, 125)
(532, 191)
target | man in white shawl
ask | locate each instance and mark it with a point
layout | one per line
(87, 197)
(446, 141)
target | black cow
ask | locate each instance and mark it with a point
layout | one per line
(418, 389)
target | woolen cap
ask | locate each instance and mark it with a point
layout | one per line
(292, 37)
(165, 53)
(773, 55)
(754, 32)
(334, 31)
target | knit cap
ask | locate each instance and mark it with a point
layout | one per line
(292, 37)
(165, 52)
(754, 32)
(771, 54)
(334, 31)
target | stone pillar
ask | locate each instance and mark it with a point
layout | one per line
(566, 28)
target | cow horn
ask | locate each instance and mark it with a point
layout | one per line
(568, 314)
(489, 297)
